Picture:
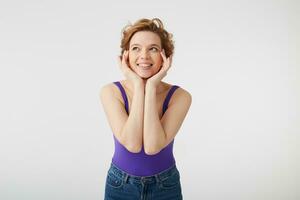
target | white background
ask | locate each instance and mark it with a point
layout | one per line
(238, 59)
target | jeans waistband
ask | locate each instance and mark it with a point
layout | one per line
(144, 179)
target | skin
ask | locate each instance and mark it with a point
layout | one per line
(145, 126)
(145, 47)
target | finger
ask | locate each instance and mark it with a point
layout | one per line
(163, 55)
(171, 60)
(124, 57)
(168, 63)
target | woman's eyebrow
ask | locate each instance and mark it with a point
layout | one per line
(148, 45)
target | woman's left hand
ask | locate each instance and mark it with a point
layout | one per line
(154, 80)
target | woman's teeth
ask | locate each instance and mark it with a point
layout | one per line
(145, 65)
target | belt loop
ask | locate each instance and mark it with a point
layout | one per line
(125, 178)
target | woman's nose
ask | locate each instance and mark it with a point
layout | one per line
(144, 54)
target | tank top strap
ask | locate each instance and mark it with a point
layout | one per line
(117, 83)
(168, 97)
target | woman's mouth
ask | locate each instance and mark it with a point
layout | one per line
(145, 65)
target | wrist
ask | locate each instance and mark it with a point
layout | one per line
(139, 84)
(151, 86)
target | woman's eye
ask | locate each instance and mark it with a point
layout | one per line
(154, 49)
(134, 48)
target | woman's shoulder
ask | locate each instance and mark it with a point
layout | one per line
(180, 94)
(179, 89)
(109, 89)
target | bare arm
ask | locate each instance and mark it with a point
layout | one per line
(159, 133)
(154, 135)
(128, 129)
(132, 131)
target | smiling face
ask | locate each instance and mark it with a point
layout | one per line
(144, 53)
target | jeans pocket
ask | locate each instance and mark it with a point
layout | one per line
(171, 181)
(113, 181)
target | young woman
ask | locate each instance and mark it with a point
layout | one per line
(145, 115)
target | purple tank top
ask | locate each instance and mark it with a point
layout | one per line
(141, 164)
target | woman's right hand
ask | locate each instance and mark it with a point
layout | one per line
(128, 73)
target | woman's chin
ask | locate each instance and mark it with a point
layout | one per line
(145, 76)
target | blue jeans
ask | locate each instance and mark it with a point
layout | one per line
(123, 186)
